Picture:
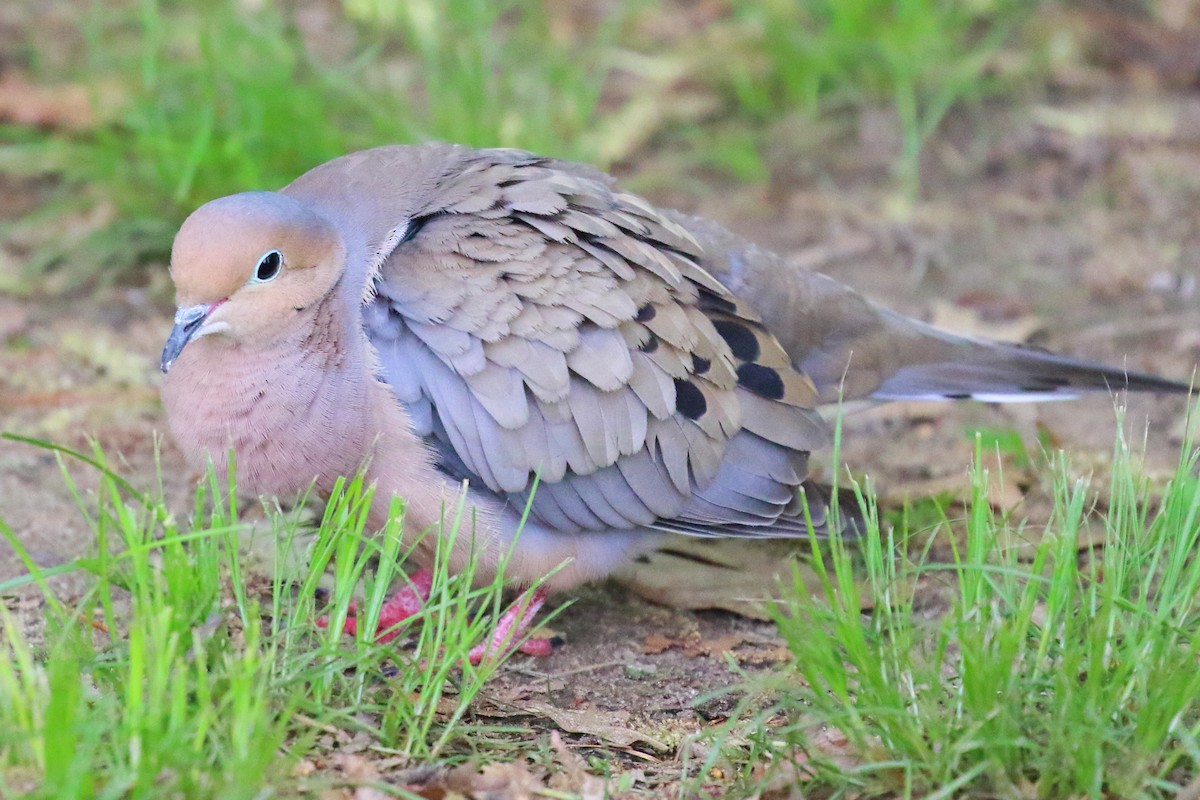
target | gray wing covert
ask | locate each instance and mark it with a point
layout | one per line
(542, 323)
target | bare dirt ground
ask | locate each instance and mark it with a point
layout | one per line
(1071, 224)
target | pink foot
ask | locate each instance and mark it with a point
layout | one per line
(408, 601)
(511, 627)
(395, 610)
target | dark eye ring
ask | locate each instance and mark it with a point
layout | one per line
(269, 265)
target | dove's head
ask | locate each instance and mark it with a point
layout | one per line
(248, 267)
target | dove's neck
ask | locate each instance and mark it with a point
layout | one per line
(363, 426)
(301, 413)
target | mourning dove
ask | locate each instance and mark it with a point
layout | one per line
(436, 314)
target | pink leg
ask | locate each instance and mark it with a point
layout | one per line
(511, 627)
(397, 608)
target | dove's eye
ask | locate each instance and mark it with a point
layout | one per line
(268, 266)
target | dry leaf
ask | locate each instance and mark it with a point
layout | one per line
(574, 777)
(494, 782)
(657, 643)
(356, 768)
(969, 321)
(1139, 118)
(26, 103)
(608, 726)
(358, 743)
(737, 575)
(761, 651)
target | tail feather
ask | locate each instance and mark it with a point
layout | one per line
(845, 514)
(999, 372)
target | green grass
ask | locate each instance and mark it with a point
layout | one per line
(918, 57)
(180, 673)
(1050, 670)
(1064, 674)
(213, 98)
(198, 100)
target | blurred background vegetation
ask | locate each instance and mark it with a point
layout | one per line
(129, 114)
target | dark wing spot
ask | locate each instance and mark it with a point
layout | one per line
(711, 302)
(763, 381)
(700, 365)
(957, 395)
(415, 225)
(741, 340)
(646, 313)
(650, 345)
(689, 401)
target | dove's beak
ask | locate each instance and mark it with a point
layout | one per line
(188, 320)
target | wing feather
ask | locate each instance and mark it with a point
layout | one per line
(541, 323)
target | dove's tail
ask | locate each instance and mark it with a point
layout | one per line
(959, 367)
(853, 349)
